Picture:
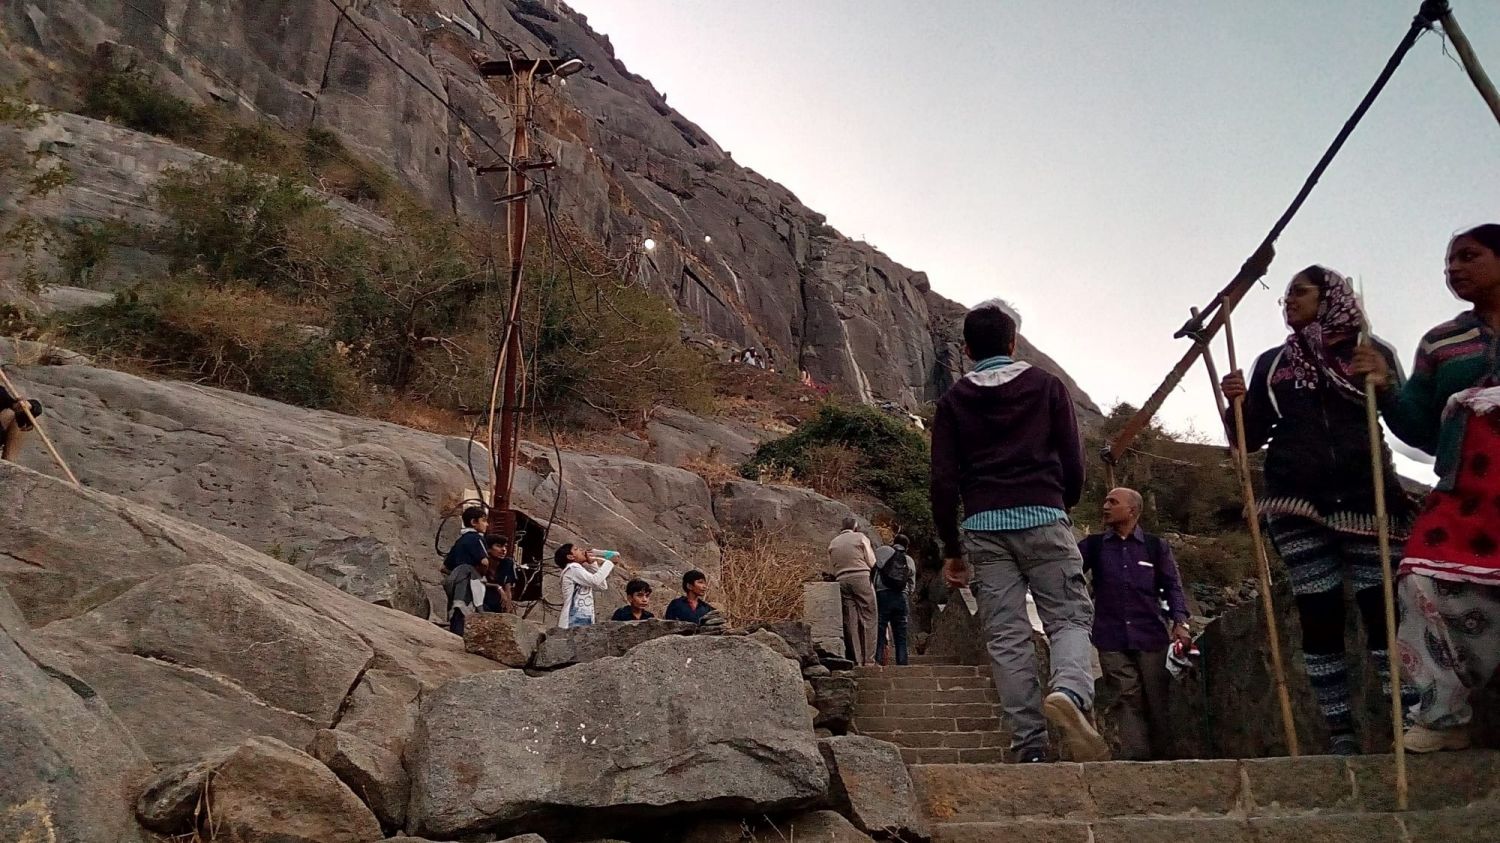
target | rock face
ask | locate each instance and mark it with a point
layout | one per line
(261, 791)
(374, 774)
(195, 641)
(353, 501)
(678, 725)
(70, 767)
(736, 252)
(364, 567)
(814, 826)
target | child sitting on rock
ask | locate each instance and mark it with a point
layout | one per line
(638, 601)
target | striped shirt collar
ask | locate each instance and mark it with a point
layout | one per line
(995, 362)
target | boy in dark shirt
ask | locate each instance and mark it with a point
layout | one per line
(500, 576)
(691, 606)
(638, 593)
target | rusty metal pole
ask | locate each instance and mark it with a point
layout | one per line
(502, 519)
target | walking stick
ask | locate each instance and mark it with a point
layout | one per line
(37, 425)
(1262, 563)
(1388, 587)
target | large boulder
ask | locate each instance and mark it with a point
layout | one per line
(70, 768)
(678, 725)
(503, 637)
(261, 791)
(834, 697)
(382, 709)
(576, 645)
(374, 774)
(801, 518)
(197, 641)
(873, 788)
(364, 567)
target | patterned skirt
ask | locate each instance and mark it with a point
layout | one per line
(1457, 535)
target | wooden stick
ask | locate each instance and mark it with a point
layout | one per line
(1383, 537)
(37, 424)
(1262, 562)
(1213, 376)
(1471, 63)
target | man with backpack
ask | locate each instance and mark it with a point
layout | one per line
(1006, 451)
(1134, 574)
(894, 574)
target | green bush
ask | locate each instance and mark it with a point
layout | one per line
(894, 467)
(237, 339)
(132, 99)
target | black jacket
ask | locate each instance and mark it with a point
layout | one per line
(1319, 442)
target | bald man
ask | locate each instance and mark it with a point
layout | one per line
(1134, 573)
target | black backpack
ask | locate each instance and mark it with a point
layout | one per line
(894, 572)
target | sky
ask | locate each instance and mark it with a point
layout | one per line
(1104, 166)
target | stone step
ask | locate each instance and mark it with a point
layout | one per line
(864, 709)
(915, 696)
(1263, 787)
(943, 740)
(904, 682)
(925, 659)
(871, 725)
(955, 756)
(876, 671)
(1468, 824)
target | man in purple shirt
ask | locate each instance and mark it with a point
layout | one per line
(1134, 573)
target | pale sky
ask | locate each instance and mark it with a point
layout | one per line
(1103, 165)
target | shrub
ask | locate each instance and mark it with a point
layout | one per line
(237, 339)
(893, 460)
(132, 99)
(761, 578)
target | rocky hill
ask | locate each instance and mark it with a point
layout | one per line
(737, 253)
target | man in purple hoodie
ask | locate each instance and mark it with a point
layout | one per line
(1005, 444)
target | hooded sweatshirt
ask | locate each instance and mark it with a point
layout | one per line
(1003, 437)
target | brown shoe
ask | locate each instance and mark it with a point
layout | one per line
(1079, 736)
(1425, 739)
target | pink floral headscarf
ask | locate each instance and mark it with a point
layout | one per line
(1307, 361)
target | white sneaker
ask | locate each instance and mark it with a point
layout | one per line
(1078, 735)
(1420, 738)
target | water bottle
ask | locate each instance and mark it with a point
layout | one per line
(596, 553)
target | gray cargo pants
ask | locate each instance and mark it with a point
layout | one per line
(1046, 560)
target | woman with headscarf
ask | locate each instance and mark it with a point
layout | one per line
(1306, 402)
(1450, 578)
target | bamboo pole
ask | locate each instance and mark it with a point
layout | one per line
(1383, 537)
(1470, 61)
(1262, 562)
(37, 425)
(1213, 375)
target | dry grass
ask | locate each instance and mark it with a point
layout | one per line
(422, 416)
(831, 469)
(761, 578)
(714, 471)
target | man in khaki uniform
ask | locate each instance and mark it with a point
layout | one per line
(851, 561)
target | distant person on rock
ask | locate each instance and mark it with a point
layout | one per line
(14, 425)
(1005, 443)
(463, 567)
(1450, 576)
(895, 576)
(851, 562)
(584, 571)
(500, 575)
(1134, 572)
(691, 606)
(637, 602)
(1306, 406)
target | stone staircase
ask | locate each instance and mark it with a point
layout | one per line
(946, 719)
(936, 710)
(1454, 798)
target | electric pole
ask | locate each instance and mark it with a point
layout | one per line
(524, 73)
